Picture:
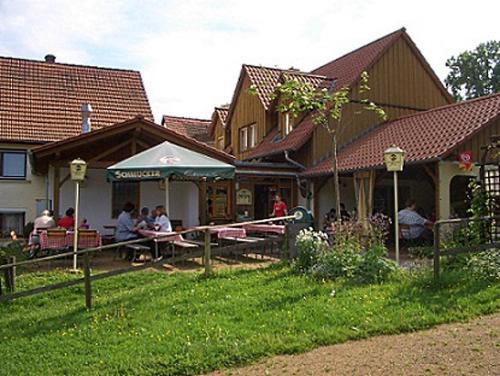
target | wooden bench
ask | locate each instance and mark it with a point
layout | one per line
(138, 249)
(247, 239)
(184, 244)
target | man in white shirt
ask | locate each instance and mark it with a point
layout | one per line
(417, 224)
(44, 221)
(162, 223)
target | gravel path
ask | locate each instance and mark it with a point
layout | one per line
(471, 348)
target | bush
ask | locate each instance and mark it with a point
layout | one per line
(375, 266)
(357, 253)
(423, 252)
(485, 265)
(310, 245)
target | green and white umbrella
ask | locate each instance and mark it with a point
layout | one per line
(167, 160)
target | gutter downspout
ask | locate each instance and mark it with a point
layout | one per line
(301, 167)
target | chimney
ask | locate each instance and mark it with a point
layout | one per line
(86, 111)
(49, 58)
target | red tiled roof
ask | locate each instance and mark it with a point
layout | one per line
(219, 113)
(424, 136)
(197, 129)
(346, 72)
(265, 80)
(41, 101)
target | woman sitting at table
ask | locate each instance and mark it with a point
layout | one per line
(125, 226)
(162, 223)
(68, 221)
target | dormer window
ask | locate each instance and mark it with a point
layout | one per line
(248, 137)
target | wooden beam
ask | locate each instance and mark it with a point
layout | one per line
(430, 173)
(56, 191)
(143, 144)
(64, 180)
(133, 147)
(109, 151)
(437, 192)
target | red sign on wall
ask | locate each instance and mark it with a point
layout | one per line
(465, 160)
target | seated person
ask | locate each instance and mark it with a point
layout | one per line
(162, 223)
(45, 220)
(344, 214)
(144, 221)
(84, 224)
(68, 221)
(417, 224)
(125, 226)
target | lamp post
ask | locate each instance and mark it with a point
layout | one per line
(394, 161)
(78, 168)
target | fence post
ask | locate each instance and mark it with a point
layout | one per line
(436, 250)
(286, 243)
(206, 253)
(10, 275)
(86, 276)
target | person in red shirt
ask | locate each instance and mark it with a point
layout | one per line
(279, 208)
(68, 222)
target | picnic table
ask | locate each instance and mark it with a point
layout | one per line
(161, 236)
(265, 228)
(61, 242)
(229, 232)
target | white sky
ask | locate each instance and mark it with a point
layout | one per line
(190, 52)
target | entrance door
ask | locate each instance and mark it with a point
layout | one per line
(261, 203)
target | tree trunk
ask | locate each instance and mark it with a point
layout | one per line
(336, 183)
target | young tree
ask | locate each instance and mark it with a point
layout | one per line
(475, 73)
(327, 106)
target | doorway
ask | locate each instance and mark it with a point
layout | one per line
(261, 203)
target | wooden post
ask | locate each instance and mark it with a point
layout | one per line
(286, 244)
(206, 254)
(10, 275)
(86, 276)
(56, 192)
(436, 251)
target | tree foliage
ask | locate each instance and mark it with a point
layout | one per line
(298, 98)
(475, 73)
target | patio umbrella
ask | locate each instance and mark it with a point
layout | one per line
(167, 160)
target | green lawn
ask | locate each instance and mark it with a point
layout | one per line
(155, 323)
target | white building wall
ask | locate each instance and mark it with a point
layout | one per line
(96, 199)
(326, 196)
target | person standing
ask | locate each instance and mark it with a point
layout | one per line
(162, 223)
(279, 208)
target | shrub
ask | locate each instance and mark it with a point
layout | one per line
(485, 265)
(375, 266)
(423, 252)
(310, 245)
(358, 252)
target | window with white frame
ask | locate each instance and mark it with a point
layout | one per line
(288, 126)
(243, 139)
(11, 221)
(252, 136)
(12, 164)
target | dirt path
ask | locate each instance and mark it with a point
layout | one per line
(472, 348)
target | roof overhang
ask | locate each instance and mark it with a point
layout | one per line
(103, 147)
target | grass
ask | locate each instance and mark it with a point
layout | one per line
(159, 324)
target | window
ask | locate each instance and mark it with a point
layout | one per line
(218, 203)
(13, 164)
(11, 222)
(124, 192)
(220, 143)
(243, 139)
(252, 136)
(288, 124)
(248, 137)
